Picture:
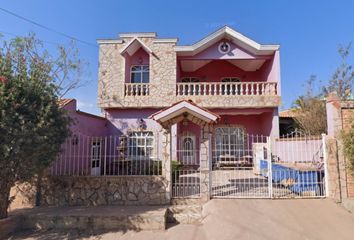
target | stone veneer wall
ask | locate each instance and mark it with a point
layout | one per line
(113, 190)
(163, 75)
(112, 74)
(340, 117)
(348, 120)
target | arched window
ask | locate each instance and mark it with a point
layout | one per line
(231, 79)
(190, 79)
(190, 89)
(228, 88)
(230, 143)
(188, 149)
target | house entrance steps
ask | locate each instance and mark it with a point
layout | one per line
(97, 218)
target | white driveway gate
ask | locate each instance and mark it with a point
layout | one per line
(251, 166)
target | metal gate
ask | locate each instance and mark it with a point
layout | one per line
(253, 166)
(186, 167)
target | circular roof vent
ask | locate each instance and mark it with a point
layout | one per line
(224, 47)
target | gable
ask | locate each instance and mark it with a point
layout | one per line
(233, 36)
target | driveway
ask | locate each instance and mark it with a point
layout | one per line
(246, 219)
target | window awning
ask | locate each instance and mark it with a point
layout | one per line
(182, 110)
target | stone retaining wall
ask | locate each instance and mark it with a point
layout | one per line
(93, 191)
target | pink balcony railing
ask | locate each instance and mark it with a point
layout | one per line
(224, 89)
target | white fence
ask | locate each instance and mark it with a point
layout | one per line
(263, 167)
(186, 183)
(243, 165)
(298, 149)
(112, 155)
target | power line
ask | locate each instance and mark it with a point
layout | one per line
(47, 28)
(17, 35)
(55, 31)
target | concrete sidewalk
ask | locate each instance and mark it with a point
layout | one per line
(244, 219)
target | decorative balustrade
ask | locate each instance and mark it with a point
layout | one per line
(224, 89)
(136, 89)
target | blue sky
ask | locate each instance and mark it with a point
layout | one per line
(309, 32)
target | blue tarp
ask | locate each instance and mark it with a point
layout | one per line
(298, 181)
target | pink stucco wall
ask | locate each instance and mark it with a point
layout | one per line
(256, 121)
(76, 150)
(84, 123)
(236, 52)
(219, 67)
(140, 57)
(76, 157)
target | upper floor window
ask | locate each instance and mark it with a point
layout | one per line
(231, 79)
(139, 74)
(189, 79)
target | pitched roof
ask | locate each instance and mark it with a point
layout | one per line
(182, 107)
(234, 36)
(290, 113)
(65, 101)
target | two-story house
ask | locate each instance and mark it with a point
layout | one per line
(196, 121)
(225, 80)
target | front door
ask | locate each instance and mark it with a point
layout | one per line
(96, 157)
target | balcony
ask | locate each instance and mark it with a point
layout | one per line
(227, 89)
(137, 89)
(205, 94)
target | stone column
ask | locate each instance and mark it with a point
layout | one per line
(205, 162)
(166, 161)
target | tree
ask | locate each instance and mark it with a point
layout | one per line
(348, 144)
(32, 125)
(310, 108)
(342, 80)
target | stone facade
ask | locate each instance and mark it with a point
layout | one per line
(112, 75)
(162, 85)
(93, 191)
(336, 181)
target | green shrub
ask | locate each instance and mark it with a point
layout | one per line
(348, 142)
(175, 166)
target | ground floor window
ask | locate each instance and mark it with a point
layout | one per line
(140, 145)
(229, 143)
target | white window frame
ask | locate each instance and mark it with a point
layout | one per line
(227, 88)
(190, 79)
(143, 69)
(138, 147)
(236, 149)
(238, 79)
(96, 156)
(188, 154)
